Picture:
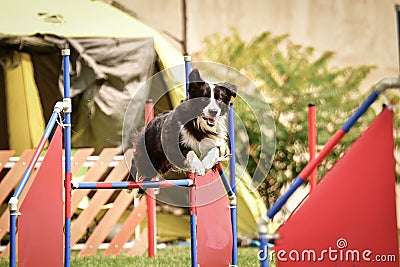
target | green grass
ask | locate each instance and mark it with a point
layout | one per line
(172, 256)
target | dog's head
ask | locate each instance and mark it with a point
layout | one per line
(212, 99)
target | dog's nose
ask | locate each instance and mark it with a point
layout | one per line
(213, 112)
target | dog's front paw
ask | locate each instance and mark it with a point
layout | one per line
(211, 158)
(194, 164)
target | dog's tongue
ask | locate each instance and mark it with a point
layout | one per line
(211, 121)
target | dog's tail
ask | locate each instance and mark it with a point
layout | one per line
(133, 171)
(135, 176)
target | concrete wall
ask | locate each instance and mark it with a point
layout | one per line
(360, 31)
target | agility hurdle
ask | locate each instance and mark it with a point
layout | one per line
(264, 234)
(65, 108)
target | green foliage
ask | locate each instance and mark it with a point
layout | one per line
(292, 76)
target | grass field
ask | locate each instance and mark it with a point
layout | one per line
(171, 256)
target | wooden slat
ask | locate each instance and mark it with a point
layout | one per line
(140, 246)
(107, 223)
(4, 156)
(99, 198)
(134, 219)
(79, 158)
(12, 178)
(9, 182)
(94, 174)
(5, 218)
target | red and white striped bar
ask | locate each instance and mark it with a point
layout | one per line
(132, 185)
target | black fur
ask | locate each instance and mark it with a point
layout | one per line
(164, 143)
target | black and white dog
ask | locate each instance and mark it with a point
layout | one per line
(191, 137)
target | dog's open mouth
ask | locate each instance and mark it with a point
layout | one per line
(210, 121)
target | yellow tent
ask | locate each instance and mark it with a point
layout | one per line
(42, 25)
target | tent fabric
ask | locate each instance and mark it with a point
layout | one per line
(77, 18)
(112, 54)
(24, 111)
(106, 75)
(350, 219)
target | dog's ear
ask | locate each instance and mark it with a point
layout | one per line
(230, 88)
(195, 82)
(194, 76)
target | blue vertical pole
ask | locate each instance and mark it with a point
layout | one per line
(232, 172)
(193, 220)
(263, 252)
(192, 190)
(67, 146)
(188, 62)
(13, 238)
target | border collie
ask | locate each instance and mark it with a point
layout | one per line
(191, 137)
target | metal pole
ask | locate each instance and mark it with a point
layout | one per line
(188, 62)
(263, 252)
(225, 181)
(67, 147)
(150, 195)
(193, 220)
(132, 185)
(232, 173)
(13, 238)
(312, 142)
